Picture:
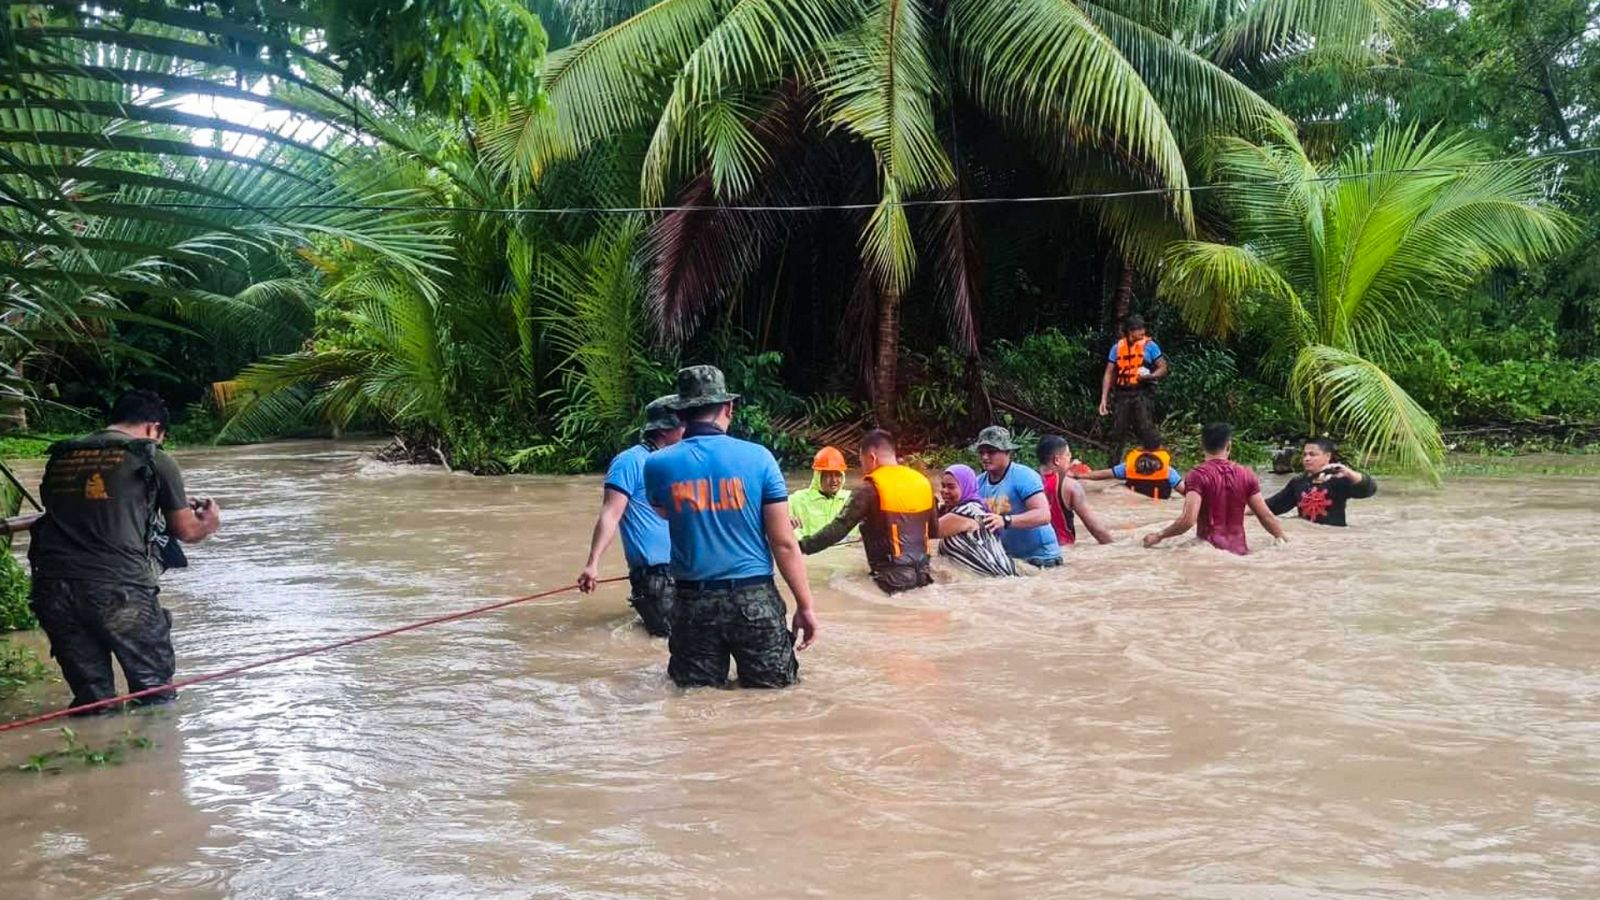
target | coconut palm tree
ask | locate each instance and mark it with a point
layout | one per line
(1106, 94)
(1336, 265)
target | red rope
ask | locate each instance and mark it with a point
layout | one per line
(226, 673)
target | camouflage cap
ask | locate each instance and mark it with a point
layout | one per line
(660, 414)
(994, 436)
(701, 386)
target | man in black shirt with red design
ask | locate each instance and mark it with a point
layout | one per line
(1320, 494)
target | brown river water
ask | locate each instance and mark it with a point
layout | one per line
(1407, 708)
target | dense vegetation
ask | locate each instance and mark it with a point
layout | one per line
(1369, 217)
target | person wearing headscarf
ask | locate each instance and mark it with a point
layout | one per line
(962, 536)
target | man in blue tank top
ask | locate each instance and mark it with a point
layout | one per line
(1019, 511)
(727, 510)
(645, 542)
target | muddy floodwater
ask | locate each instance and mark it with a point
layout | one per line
(1407, 708)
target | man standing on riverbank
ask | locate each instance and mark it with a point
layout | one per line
(896, 505)
(1018, 510)
(1322, 492)
(1219, 492)
(1127, 390)
(645, 542)
(110, 498)
(727, 510)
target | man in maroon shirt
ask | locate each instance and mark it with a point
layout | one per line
(1219, 491)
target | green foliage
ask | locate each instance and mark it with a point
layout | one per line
(1330, 272)
(27, 446)
(73, 749)
(452, 57)
(15, 613)
(1051, 372)
(1515, 375)
(1095, 95)
(1206, 385)
(19, 667)
(124, 234)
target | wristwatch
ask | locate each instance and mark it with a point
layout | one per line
(1005, 521)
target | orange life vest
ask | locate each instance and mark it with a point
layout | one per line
(1148, 472)
(905, 515)
(1130, 358)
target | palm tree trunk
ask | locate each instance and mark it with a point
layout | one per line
(1124, 294)
(886, 371)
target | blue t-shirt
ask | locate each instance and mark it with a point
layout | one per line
(1120, 472)
(713, 488)
(1152, 352)
(1010, 497)
(644, 534)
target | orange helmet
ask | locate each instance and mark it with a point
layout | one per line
(829, 459)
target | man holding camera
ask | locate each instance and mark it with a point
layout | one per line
(113, 503)
(1321, 492)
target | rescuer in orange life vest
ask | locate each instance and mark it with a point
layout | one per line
(897, 513)
(1127, 390)
(1148, 470)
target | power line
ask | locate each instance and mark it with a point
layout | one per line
(858, 207)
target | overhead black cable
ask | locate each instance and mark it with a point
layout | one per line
(847, 207)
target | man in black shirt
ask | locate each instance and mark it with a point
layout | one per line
(1320, 494)
(110, 498)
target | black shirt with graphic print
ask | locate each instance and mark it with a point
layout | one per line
(1320, 503)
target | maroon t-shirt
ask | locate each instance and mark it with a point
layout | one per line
(1224, 487)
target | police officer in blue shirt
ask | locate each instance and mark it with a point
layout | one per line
(645, 542)
(1019, 511)
(727, 509)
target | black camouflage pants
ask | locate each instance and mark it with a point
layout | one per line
(746, 623)
(652, 598)
(88, 622)
(1132, 410)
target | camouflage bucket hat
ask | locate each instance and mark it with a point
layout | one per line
(996, 437)
(660, 415)
(701, 386)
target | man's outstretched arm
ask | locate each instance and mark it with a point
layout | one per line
(1181, 525)
(861, 501)
(605, 531)
(1266, 518)
(1078, 502)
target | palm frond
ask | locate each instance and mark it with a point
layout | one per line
(1342, 390)
(1047, 67)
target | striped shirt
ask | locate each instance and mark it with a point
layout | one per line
(980, 549)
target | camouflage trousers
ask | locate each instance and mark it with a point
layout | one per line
(652, 598)
(746, 623)
(1132, 410)
(89, 622)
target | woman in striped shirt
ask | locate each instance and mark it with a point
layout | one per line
(962, 536)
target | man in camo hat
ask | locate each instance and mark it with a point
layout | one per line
(727, 509)
(1019, 511)
(645, 542)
